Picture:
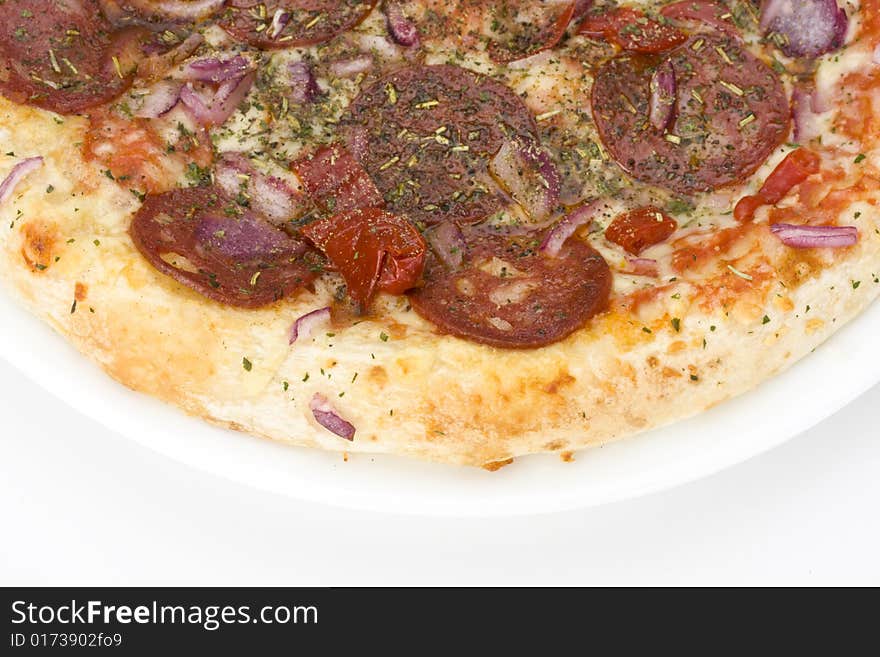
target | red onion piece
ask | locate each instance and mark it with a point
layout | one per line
(226, 100)
(349, 68)
(560, 233)
(280, 19)
(663, 96)
(804, 111)
(158, 65)
(303, 86)
(524, 169)
(196, 104)
(402, 30)
(448, 244)
(18, 173)
(815, 237)
(875, 56)
(245, 238)
(216, 70)
(805, 28)
(305, 325)
(642, 267)
(269, 195)
(820, 102)
(163, 98)
(327, 417)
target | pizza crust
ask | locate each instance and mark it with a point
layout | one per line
(407, 389)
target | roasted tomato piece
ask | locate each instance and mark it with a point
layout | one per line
(373, 249)
(632, 31)
(639, 229)
(792, 171)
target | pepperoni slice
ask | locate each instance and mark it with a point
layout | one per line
(709, 12)
(160, 11)
(61, 56)
(731, 112)
(336, 181)
(426, 135)
(523, 29)
(509, 30)
(206, 241)
(639, 229)
(631, 30)
(508, 294)
(273, 24)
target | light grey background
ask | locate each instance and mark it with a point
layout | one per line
(80, 505)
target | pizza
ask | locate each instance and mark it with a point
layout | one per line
(462, 231)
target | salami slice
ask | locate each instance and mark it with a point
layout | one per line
(426, 135)
(160, 11)
(731, 112)
(523, 28)
(273, 24)
(62, 56)
(206, 241)
(336, 182)
(509, 294)
(708, 12)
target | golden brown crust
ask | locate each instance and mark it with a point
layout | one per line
(745, 312)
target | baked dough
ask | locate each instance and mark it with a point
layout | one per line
(746, 308)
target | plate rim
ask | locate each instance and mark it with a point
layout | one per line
(509, 492)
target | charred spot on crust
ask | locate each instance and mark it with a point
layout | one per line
(39, 244)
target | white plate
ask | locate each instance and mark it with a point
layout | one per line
(820, 385)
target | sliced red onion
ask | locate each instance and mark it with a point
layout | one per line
(269, 195)
(512, 219)
(161, 99)
(329, 418)
(560, 233)
(820, 102)
(216, 70)
(805, 28)
(280, 19)
(448, 243)
(305, 325)
(804, 113)
(524, 169)
(663, 96)
(158, 65)
(197, 105)
(18, 173)
(402, 30)
(176, 10)
(226, 100)
(642, 267)
(245, 238)
(303, 86)
(875, 56)
(349, 68)
(815, 237)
